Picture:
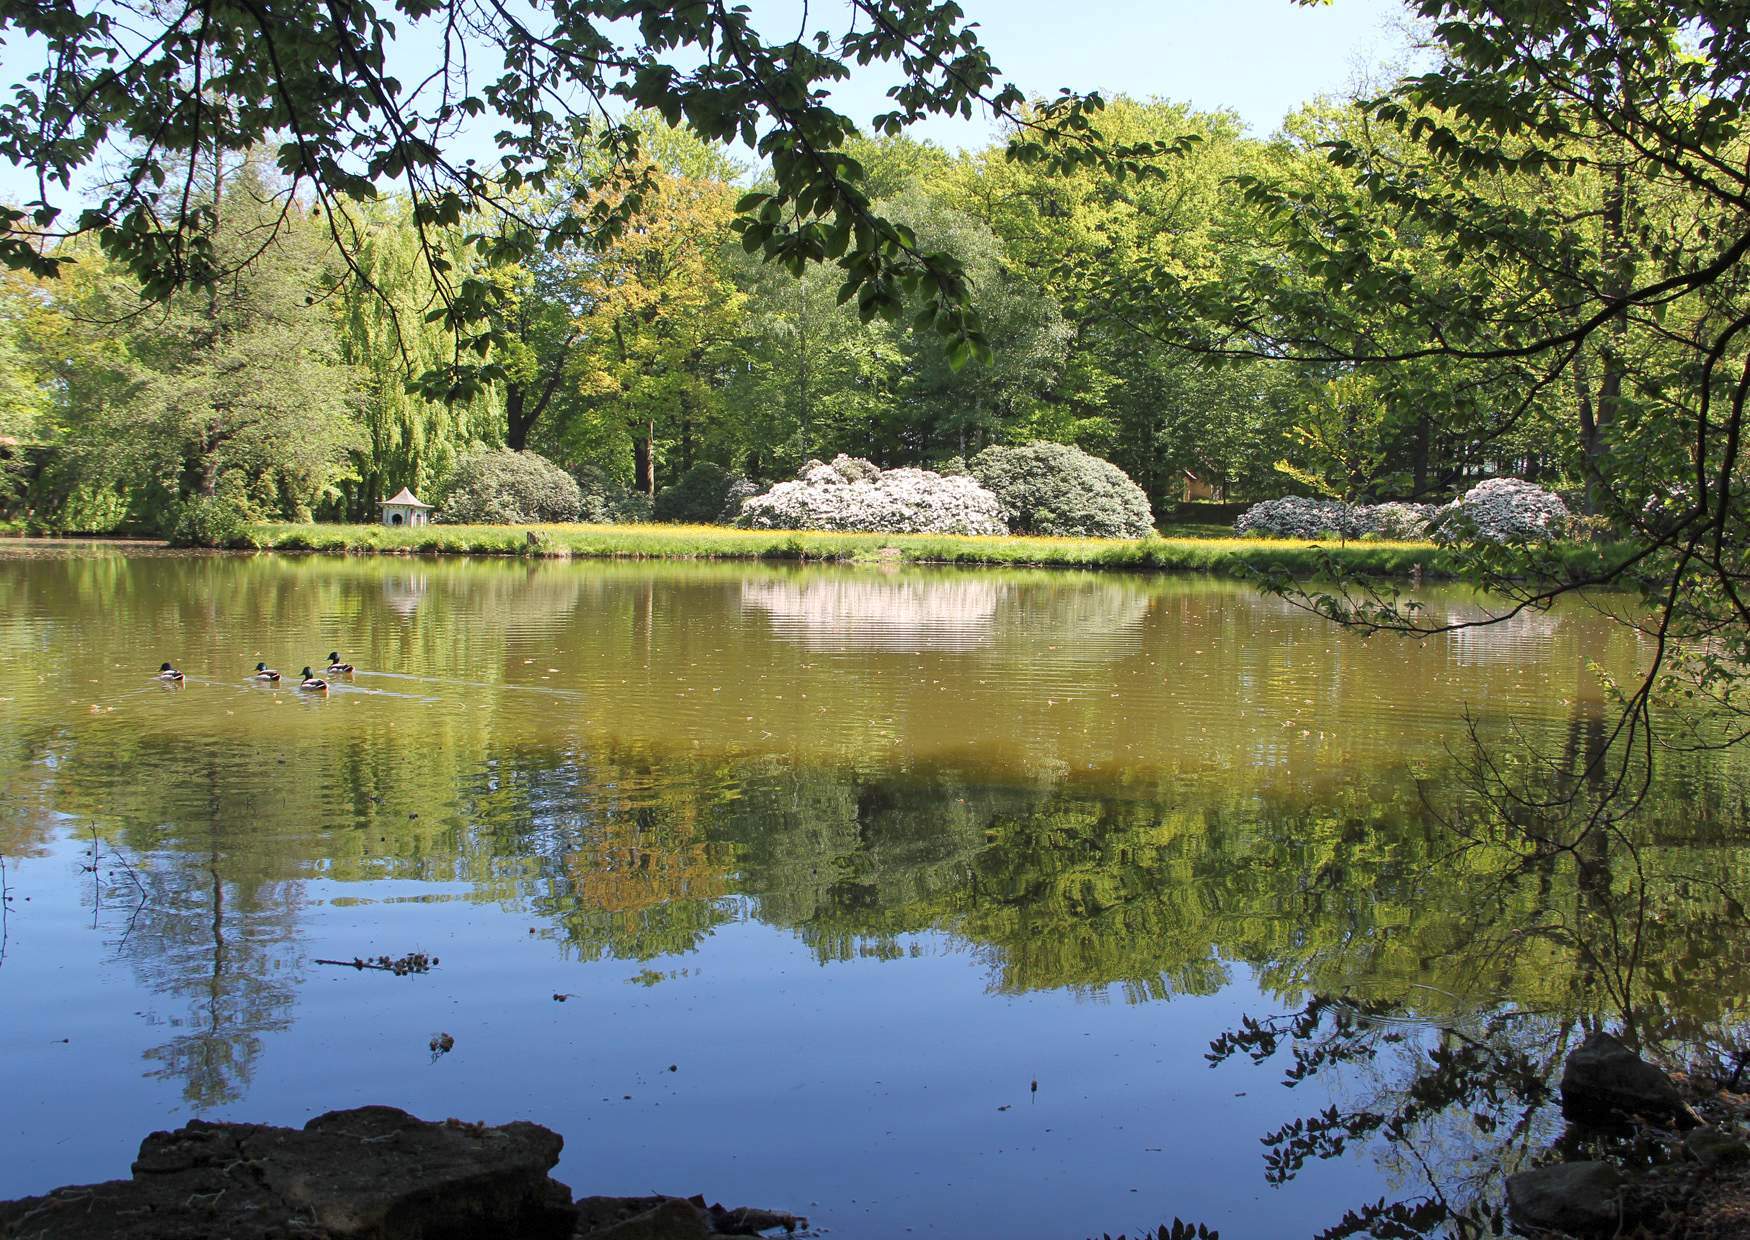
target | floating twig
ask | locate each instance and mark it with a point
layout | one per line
(5, 907)
(401, 966)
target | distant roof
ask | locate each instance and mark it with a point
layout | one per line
(405, 499)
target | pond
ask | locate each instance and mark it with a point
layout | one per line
(909, 900)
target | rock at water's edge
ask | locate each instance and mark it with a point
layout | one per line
(372, 1173)
(1604, 1082)
(1580, 1198)
(672, 1218)
(1712, 1148)
(650, 1218)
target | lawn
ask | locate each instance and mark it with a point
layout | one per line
(1227, 554)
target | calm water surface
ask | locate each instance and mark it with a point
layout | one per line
(785, 885)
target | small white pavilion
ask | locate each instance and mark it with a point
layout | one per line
(404, 509)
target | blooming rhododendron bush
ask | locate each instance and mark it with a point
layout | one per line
(852, 494)
(1501, 510)
(1295, 516)
(1399, 520)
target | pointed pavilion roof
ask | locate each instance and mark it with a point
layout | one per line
(404, 499)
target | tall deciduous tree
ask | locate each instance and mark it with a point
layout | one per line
(25, 316)
(237, 389)
(661, 313)
(1153, 410)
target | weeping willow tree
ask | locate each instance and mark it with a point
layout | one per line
(387, 337)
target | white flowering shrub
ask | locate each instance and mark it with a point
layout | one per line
(1295, 516)
(850, 468)
(1503, 510)
(1398, 521)
(852, 494)
(1298, 517)
(1057, 489)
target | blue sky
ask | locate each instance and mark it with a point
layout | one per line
(1258, 58)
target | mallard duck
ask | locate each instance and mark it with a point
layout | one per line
(264, 672)
(336, 667)
(166, 672)
(312, 684)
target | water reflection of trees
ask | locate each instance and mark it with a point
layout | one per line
(1364, 888)
(207, 914)
(1448, 1109)
(1438, 972)
(225, 954)
(1358, 891)
(1222, 846)
(1639, 920)
(620, 860)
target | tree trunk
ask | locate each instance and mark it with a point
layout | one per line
(642, 474)
(521, 412)
(1419, 451)
(804, 410)
(1597, 418)
(218, 200)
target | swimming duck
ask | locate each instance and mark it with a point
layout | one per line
(166, 672)
(336, 667)
(312, 684)
(264, 672)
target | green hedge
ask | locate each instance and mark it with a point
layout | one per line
(700, 495)
(1057, 489)
(498, 486)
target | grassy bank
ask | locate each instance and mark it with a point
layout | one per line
(1233, 556)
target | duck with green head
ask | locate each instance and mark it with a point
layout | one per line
(166, 672)
(265, 673)
(311, 684)
(336, 667)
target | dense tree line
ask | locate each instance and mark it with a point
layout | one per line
(301, 386)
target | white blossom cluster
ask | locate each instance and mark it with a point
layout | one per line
(1295, 516)
(1503, 510)
(1499, 510)
(1405, 522)
(852, 494)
